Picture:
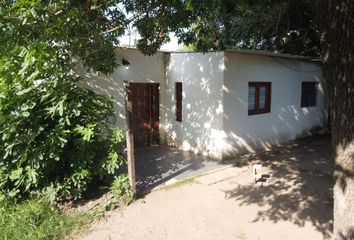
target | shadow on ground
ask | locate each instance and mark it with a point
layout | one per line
(157, 165)
(154, 166)
(300, 187)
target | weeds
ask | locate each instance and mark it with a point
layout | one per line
(121, 189)
(34, 219)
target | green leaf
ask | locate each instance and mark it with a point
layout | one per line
(32, 176)
(188, 5)
(16, 174)
(24, 91)
(33, 76)
(25, 114)
(50, 193)
(61, 108)
(86, 132)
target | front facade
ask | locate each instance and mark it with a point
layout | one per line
(219, 104)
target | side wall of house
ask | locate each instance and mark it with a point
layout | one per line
(286, 119)
(142, 69)
(202, 110)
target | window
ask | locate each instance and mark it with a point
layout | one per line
(308, 94)
(178, 88)
(259, 94)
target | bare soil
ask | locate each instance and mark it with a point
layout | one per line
(293, 201)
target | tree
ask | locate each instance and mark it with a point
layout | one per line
(336, 21)
(281, 26)
(55, 137)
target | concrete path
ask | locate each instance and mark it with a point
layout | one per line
(156, 166)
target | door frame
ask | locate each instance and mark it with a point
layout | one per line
(154, 124)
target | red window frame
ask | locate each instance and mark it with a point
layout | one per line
(257, 86)
(178, 95)
(309, 94)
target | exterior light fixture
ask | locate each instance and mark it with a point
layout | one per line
(125, 62)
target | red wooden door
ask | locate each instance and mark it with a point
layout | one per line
(144, 117)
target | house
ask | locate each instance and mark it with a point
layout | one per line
(220, 103)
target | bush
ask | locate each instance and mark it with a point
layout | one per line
(37, 220)
(55, 137)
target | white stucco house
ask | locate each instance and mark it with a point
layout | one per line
(219, 104)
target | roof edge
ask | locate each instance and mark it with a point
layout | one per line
(274, 54)
(241, 51)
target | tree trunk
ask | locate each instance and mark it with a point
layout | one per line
(336, 18)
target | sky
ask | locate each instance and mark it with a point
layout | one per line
(127, 40)
(170, 46)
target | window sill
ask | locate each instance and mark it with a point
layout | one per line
(257, 112)
(308, 106)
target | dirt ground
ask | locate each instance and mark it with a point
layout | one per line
(295, 202)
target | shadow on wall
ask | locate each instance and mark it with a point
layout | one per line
(202, 129)
(202, 109)
(209, 128)
(349, 235)
(261, 132)
(109, 86)
(144, 69)
(302, 187)
(236, 145)
(286, 119)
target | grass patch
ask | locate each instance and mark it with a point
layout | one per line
(41, 220)
(180, 183)
(33, 219)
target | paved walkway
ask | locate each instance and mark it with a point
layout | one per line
(156, 166)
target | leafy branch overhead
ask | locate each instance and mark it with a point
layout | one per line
(282, 26)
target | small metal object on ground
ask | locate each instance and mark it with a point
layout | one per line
(257, 172)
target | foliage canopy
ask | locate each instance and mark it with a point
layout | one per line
(55, 137)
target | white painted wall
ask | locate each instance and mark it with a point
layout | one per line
(201, 129)
(286, 120)
(144, 69)
(215, 118)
